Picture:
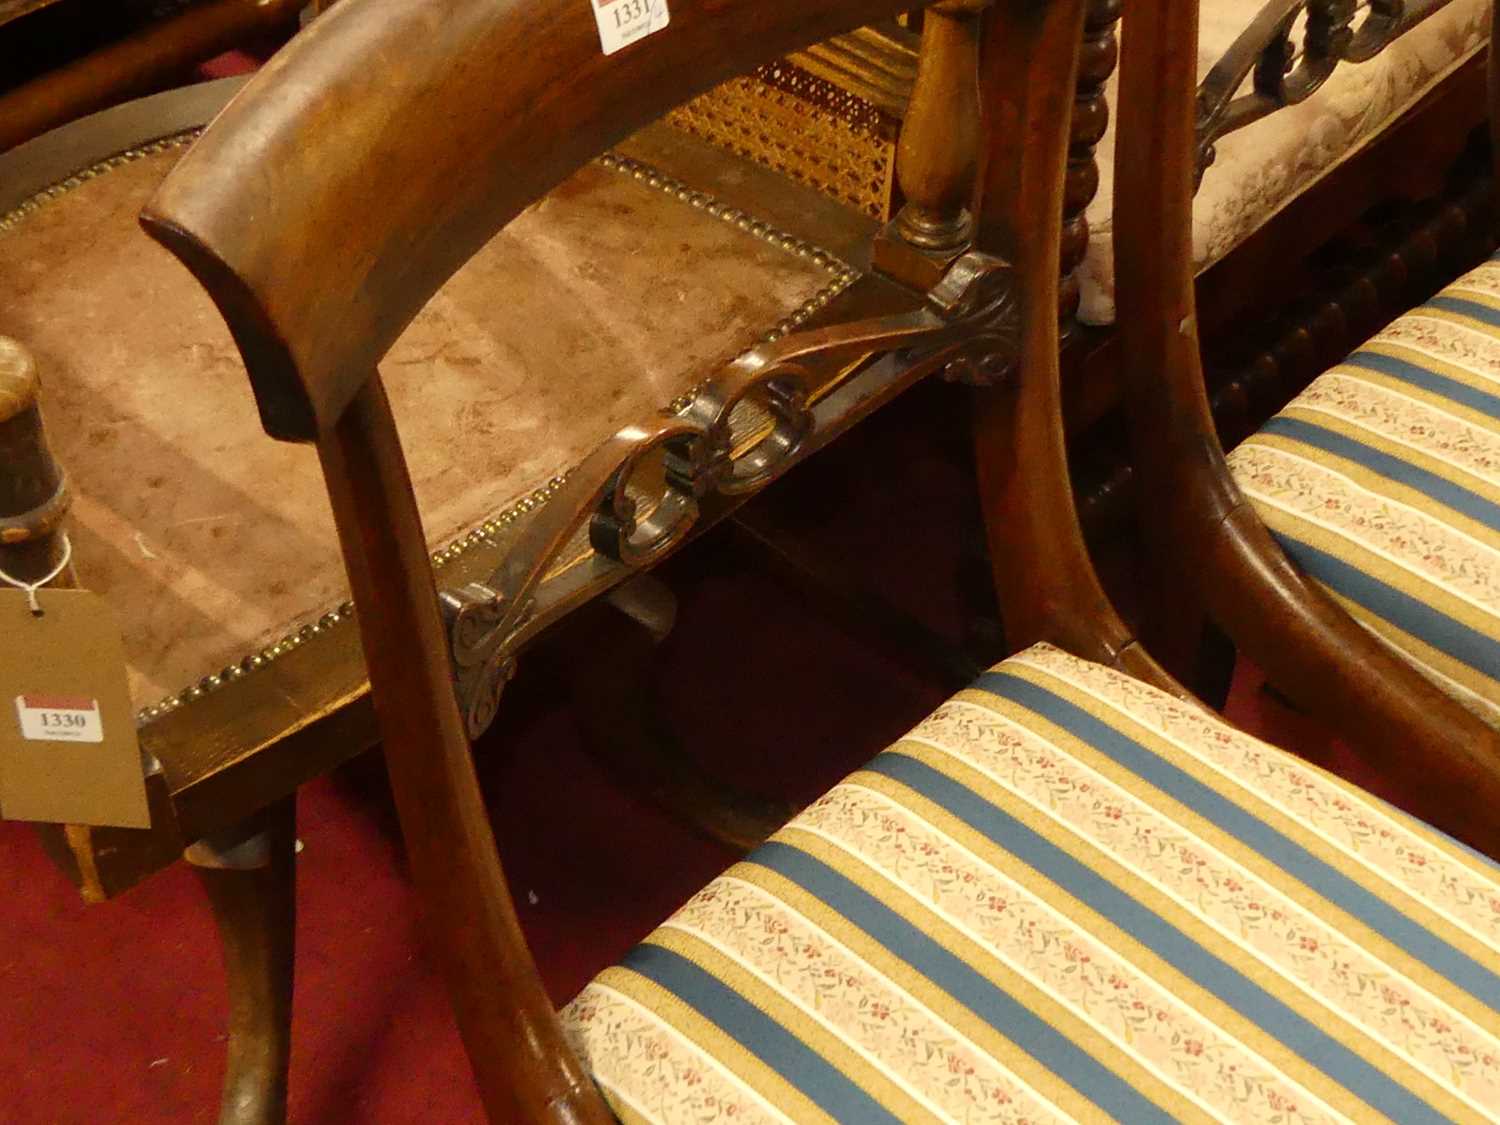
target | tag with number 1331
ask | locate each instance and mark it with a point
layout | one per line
(622, 22)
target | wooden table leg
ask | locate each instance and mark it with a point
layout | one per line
(605, 654)
(250, 879)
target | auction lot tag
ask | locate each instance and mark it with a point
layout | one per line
(68, 747)
(59, 718)
(622, 22)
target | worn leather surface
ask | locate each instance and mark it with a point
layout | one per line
(594, 308)
(1263, 167)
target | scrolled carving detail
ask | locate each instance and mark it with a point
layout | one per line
(637, 496)
(988, 359)
(1291, 48)
(625, 525)
(479, 624)
(773, 391)
(979, 291)
(635, 532)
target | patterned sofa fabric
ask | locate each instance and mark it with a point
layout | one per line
(1068, 896)
(1382, 481)
(1263, 167)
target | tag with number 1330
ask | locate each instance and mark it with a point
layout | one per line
(68, 747)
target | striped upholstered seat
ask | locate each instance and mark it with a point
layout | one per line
(1066, 895)
(1382, 481)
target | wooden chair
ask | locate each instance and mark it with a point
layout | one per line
(1068, 892)
(1334, 198)
(1344, 547)
(244, 656)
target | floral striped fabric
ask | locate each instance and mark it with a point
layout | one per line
(1382, 480)
(1066, 896)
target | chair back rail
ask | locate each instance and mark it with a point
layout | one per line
(272, 208)
(1444, 758)
(328, 202)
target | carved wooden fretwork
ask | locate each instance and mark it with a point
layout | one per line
(638, 495)
(1288, 51)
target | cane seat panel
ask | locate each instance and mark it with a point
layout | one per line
(1066, 895)
(1263, 167)
(602, 303)
(1382, 481)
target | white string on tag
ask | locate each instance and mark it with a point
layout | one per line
(32, 587)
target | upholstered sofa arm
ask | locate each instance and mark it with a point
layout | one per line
(1288, 51)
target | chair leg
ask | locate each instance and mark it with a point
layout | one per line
(606, 656)
(249, 876)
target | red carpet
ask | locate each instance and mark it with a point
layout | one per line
(114, 1013)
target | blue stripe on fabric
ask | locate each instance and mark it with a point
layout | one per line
(1209, 971)
(963, 983)
(1419, 376)
(1411, 615)
(758, 1033)
(1462, 307)
(1400, 930)
(1440, 489)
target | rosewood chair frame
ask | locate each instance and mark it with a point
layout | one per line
(1205, 536)
(227, 761)
(1250, 283)
(389, 71)
(1414, 167)
(228, 799)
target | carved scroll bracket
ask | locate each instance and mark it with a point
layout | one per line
(636, 497)
(978, 293)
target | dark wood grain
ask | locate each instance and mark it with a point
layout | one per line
(1047, 586)
(15, 9)
(1494, 92)
(249, 876)
(938, 180)
(310, 335)
(1090, 120)
(1259, 370)
(33, 489)
(524, 1068)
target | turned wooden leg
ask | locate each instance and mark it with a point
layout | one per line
(251, 883)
